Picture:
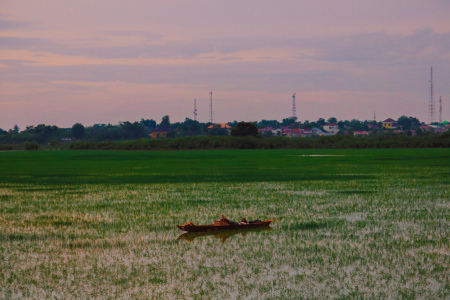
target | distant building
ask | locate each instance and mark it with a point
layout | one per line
(307, 132)
(389, 123)
(160, 132)
(286, 131)
(361, 133)
(426, 127)
(320, 132)
(296, 132)
(332, 128)
(219, 126)
(277, 132)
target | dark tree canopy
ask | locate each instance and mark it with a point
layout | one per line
(332, 120)
(78, 130)
(288, 121)
(148, 123)
(133, 130)
(190, 128)
(320, 122)
(245, 129)
(165, 122)
(408, 123)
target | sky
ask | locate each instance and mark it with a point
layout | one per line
(66, 62)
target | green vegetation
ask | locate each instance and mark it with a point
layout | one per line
(251, 142)
(245, 129)
(101, 224)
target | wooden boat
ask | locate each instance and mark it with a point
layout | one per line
(221, 225)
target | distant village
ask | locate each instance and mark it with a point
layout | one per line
(150, 129)
(297, 129)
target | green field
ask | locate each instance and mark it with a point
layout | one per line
(352, 224)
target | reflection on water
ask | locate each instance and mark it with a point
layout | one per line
(223, 235)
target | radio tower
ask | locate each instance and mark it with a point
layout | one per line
(374, 117)
(440, 109)
(195, 109)
(431, 105)
(211, 111)
(294, 112)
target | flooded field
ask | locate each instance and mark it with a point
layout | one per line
(351, 224)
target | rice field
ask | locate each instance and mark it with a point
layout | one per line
(369, 224)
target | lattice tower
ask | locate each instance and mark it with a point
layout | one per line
(294, 111)
(431, 108)
(195, 109)
(211, 110)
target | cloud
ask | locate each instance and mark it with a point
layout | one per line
(15, 62)
(381, 47)
(377, 47)
(21, 43)
(8, 24)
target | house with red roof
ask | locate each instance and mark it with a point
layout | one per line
(389, 123)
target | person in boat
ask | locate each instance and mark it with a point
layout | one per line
(243, 221)
(224, 219)
(254, 221)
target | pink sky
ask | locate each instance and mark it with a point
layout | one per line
(63, 62)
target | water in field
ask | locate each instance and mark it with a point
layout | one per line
(376, 227)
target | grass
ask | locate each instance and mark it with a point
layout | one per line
(362, 224)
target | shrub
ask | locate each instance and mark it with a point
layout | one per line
(30, 146)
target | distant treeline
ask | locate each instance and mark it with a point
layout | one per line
(249, 142)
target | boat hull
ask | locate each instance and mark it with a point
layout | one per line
(204, 228)
(222, 234)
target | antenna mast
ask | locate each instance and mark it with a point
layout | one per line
(431, 105)
(211, 110)
(374, 117)
(294, 112)
(195, 109)
(440, 109)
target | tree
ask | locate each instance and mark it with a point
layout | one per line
(320, 122)
(77, 130)
(266, 123)
(268, 134)
(16, 129)
(245, 129)
(31, 146)
(288, 121)
(357, 125)
(133, 130)
(165, 121)
(307, 125)
(190, 128)
(419, 131)
(332, 120)
(408, 123)
(149, 123)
